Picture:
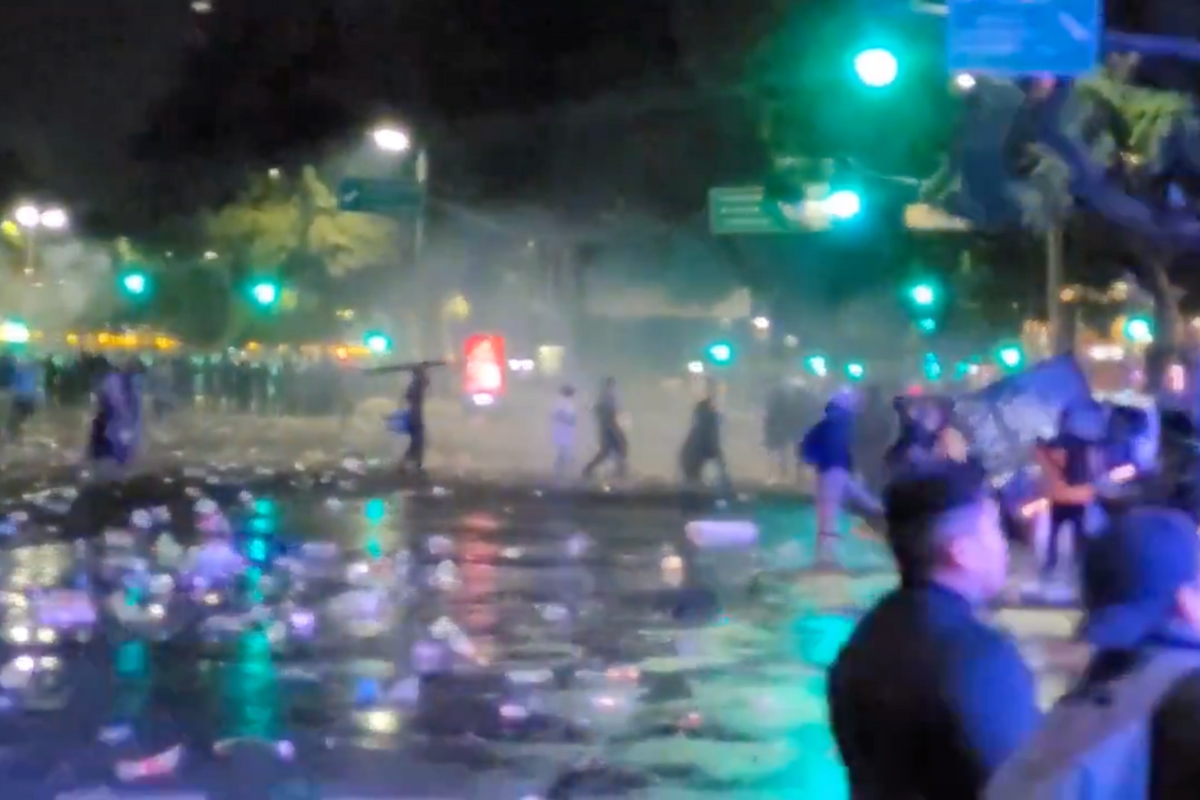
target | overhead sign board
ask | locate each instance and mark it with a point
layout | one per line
(740, 211)
(1024, 37)
(379, 195)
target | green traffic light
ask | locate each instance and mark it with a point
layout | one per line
(817, 365)
(923, 294)
(135, 283)
(265, 293)
(855, 371)
(843, 204)
(377, 343)
(876, 67)
(1139, 330)
(927, 325)
(720, 353)
(1010, 356)
(933, 367)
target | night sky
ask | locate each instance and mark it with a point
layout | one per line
(79, 77)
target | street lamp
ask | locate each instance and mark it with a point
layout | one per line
(30, 217)
(391, 140)
(54, 218)
(394, 141)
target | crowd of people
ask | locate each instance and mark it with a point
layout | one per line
(929, 700)
(286, 385)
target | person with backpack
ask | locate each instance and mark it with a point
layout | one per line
(828, 448)
(927, 700)
(1130, 730)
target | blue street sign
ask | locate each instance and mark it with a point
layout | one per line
(379, 195)
(1025, 37)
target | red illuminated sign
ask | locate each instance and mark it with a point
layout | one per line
(485, 364)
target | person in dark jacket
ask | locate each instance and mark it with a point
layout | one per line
(703, 442)
(920, 426)
(828, 449)
(613, 444)
(926, 699)
(1141, 595)
(414, 398)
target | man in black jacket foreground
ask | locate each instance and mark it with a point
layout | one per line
(926, 700)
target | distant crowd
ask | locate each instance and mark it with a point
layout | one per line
(282, 386)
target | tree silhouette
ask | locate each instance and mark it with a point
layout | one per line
(1046, 154)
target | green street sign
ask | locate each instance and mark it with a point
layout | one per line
(379, 196)
(734, 210)
(739, 211)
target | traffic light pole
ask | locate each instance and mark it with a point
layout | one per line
(424, 324)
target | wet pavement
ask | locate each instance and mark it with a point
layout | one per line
(444, 643)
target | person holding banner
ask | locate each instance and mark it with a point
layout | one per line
(1071, 464)
(414, 397)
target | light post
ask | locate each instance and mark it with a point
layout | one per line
(392, 140)
(31, 218)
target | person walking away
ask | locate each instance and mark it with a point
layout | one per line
(26, 391)
(414, 397)
(926, 699)
(827, 448)
(1070, 465)
(563, 427)
(703, 442)
(1130, 729)
(613, 444)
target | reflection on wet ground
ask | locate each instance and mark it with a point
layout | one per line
(425, 644)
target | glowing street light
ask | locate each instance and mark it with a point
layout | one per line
(391, 140)
(30, 216)
(965, 81)
(54, 218)
(761, 323)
